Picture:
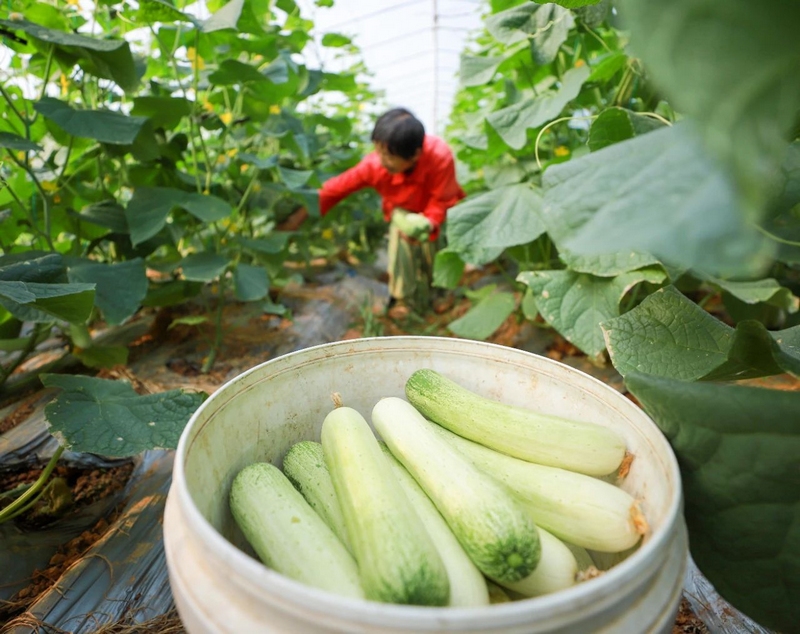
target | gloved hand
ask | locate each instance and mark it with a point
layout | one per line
(415, 226)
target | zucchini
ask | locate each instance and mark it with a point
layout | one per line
(494, 529)
(397, 559)
(542, 438)
(557, 569)
(467, 584)
(577, 508)
(304, 465)
(286, 533)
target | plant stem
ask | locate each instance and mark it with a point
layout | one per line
(13, 108)
(30, 344)
(28, 498)
(217, 343)
(42, 193)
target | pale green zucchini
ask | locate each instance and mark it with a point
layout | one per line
(397, 559)
(491, 525)
(557, 569)
(467, 584)
(576, 508)
(578, 446)
(304, 465)
(287, 534)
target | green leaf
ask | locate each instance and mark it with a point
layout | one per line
(704, 56)
(106, 213)
(756, 352)
(545, 26)
(203, 267)
(38, 302)
(33, 267)
(152, 11)
(120, 287)
(277, 72)
(250, 282)
(232, 72)
(106, 58)
(149, 208)
(109, 418)
(574, 4)
(481, 227)
(617, 124)
(171, 293)
(448, 267)
(576, 304)
(16, 142)
(294, 179)
(478, 70)
(737, 448)
(335, 40)
(485, 317)
(767, 290)
(608, 66)
(667, 335)
(513, 122)
(270, 244)
(163, 112)
(226, 18)
(657, 193)
(102, 356)
(105, 126)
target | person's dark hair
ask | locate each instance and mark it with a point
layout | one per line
(400, 131)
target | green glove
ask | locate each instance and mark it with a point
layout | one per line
(415, 226)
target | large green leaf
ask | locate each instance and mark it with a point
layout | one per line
(203, 267)
(120, 286)
(34, 301)
(618, 124)
(738, 450)
(149, 208)
(106, 58)
(225, 18)
(732, 65)
(232, 72)
(294, 179)
(478, 70)
(658, 193)
(481, 227)
(163, 112)
(575, 304)
(485, 317)
(545, 26)
(33, 266)
(667, 335)
(105, 126)
(448, 267)
(575, 4)
(15, 142)
(250, 282)
(270, 244)
(767, 290)
(106, 213)
(512, 123)
(109, 418)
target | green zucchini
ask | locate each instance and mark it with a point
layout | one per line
(304, 465)
(397, 559)
(577, 508)
(542, 438)
(494, 529)
(467, 584)
(286, 533)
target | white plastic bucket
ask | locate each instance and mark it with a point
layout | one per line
(219, 587)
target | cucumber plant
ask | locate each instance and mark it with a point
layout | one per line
(633, 166)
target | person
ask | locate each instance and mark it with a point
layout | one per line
(414, 173)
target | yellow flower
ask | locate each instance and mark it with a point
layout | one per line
(327, 234)
(208, 106)
(74, 3)
(274, 109)
(580, 63)
(561, 151)
(243, 169)
(233, 152)
(221, 158)
(49, 186)
(195, 59)
(64, 80)
(56, 199)
(226, 118)
(21, 155)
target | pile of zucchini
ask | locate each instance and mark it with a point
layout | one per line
(461, 497)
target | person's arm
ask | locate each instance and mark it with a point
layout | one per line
(445, 192)
(346, 183)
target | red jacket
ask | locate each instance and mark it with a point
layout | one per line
(430, 189)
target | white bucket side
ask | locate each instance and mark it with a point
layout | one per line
(230, 431)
